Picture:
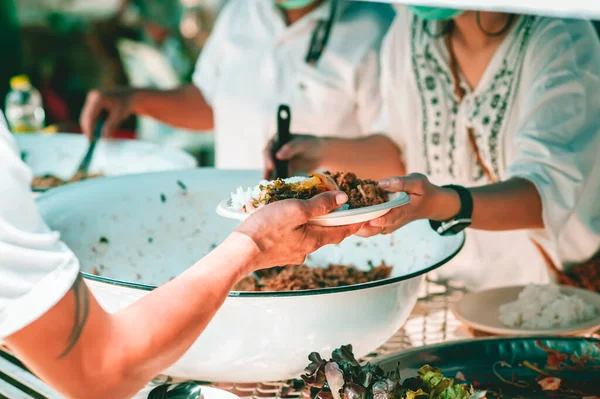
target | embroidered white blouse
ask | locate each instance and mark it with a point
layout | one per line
(535, 114)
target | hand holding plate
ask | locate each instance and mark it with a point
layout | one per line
(281, 232)
(427, 201)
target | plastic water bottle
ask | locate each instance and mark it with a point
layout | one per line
(24, 111)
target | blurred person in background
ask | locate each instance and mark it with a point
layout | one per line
(320, 57)
(159, 24)
(505, 105)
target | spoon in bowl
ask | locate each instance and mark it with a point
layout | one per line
(82, 170)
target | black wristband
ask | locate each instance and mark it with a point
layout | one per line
(462, 220)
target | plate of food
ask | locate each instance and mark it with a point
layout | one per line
(492, 368)
(531, 310)
(366, 200)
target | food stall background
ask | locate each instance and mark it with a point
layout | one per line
(68, 47)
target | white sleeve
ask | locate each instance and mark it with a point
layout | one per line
(369, 94)
(393, 54)
(206, 72)
(36, 268)
(370, 89)
(369, 101)
(558, 138)
(381, 123)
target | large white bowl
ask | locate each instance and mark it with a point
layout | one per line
(156, 229)
(60, 154)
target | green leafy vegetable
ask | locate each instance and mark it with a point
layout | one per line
(343, 377)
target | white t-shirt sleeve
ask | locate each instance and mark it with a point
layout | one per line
(206, 72)
(369, 95)
(381, 123)
(394, 54)
(369, 101)
(558, 138)
(36, 268)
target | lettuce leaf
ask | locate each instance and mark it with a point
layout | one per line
(343, 377)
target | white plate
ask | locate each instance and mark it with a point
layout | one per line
(480, 310)
(336, 218)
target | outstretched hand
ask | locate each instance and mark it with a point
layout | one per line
(282, 234)
(427, 201)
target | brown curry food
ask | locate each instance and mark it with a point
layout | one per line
(361, 193)
(302, 277)
(50, 181)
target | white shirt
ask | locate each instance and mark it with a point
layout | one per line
(536, 112)
(36, 268)
(253, 62)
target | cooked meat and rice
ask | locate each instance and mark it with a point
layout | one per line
(361, 193)
(303, 277)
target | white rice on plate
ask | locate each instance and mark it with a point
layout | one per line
(545, 307)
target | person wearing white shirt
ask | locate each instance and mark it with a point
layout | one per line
(319, 57)
(506, 105)
(53, 323)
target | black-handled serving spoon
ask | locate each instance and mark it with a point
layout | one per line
(284, 117)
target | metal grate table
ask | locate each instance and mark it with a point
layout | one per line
(431, 322)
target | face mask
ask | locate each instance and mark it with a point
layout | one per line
(435, 13)
(294, 4)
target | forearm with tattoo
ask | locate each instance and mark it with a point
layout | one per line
(82, 308)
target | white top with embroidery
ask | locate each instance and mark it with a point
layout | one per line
(536, 115)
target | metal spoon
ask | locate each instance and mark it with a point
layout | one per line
(184, 390)
(87, 159)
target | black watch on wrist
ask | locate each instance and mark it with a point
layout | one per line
(460, 221)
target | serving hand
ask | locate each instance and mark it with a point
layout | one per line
(427, 201)
(304, 153)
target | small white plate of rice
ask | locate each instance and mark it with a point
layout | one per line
(531, 310)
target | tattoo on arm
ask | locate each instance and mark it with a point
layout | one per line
(82, 307)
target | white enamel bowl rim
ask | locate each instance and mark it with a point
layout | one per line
(504, 294)
(261, 294)
(337, 218)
